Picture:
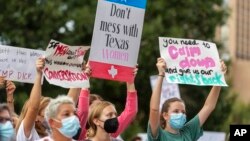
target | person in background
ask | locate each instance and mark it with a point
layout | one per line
(170, 124)
(7, 132)
(10, 88)
(60, 114)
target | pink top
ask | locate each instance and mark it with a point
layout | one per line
(126, 117)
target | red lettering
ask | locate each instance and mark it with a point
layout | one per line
(65, 75)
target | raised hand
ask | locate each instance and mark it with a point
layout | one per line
(161, 66)
(40, 63)
(223, 67)
(10, 87)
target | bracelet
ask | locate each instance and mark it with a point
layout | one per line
(161, 75)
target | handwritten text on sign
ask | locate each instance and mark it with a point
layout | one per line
(116, 38)
(191, 62)
(18, 64)
(63, 65)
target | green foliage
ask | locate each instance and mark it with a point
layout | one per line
(32, 23)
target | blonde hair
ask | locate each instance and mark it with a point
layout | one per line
(95, 112)
(44, 101)
(94, 97)
(52, 109)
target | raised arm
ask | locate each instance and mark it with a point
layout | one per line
(83, 110)
(74, 94)
(34, 100)
(154, 113)
(10, 89)
(131, 107)
(211, 100)
(83, 105)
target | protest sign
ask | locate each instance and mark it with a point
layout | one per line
(212, 136)
(191, 61)
(169, 90)
(18, 64)
(63, 65)
(116, 39)
(207, 136)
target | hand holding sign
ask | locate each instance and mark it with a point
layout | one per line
(40, 63)
(223, 67)
(10, 87)
(161, 66)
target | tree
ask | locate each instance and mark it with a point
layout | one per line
(32, 23)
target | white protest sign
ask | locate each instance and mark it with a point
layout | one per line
(116, 39)
(191, 61)
(212, 136)
(63, 65)
(169, 90)
(207, 136)
(18, 64)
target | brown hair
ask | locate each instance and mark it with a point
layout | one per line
(41, 130)
(95, 112)
(44, 101)
(94, 97)
(4, 106)
(165, 108)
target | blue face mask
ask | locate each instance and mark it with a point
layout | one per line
(6, 130)
(177, 121)
(70, 126)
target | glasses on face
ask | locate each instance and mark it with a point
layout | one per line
(3, 119)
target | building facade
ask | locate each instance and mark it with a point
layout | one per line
(239, 47)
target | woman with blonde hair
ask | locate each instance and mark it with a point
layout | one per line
(60, 114)
(102, 120)
(32, 124)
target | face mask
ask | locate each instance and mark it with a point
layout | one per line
(70, 126)
(6, 130)
(111, 125)
(177, 121)
(76, 137)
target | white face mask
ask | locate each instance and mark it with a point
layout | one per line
(6, 130)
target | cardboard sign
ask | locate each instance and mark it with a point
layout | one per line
(18, 64)
(116, 39)
(169, 90)
(63, 65)
(191, 61)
